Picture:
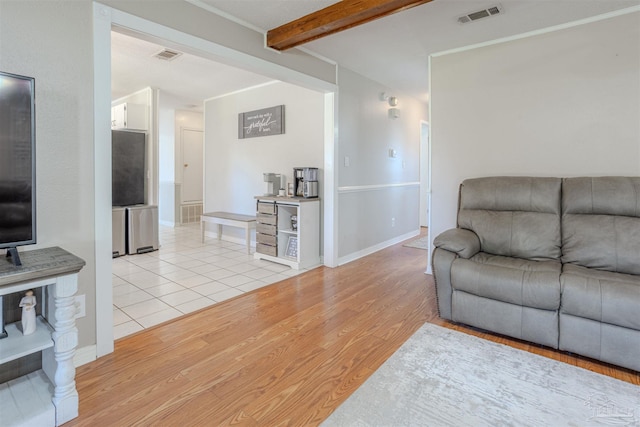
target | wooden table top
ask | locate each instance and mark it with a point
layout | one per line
(229, 215)
(39, 263)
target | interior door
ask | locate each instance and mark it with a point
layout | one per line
(192, 159)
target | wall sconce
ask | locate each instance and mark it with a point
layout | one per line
(392, 100)
(394, 113)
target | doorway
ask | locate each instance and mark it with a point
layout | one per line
(104, 18)
(191, 141)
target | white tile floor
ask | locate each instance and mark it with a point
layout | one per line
(184, 275)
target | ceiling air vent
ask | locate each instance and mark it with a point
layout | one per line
(484, 13)
(167, 55)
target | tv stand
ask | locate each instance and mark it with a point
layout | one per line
(49, 394)
(13, 254)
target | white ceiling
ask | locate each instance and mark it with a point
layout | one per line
(392, 51)
(186, 80)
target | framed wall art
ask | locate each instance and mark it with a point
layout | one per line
(264, 122)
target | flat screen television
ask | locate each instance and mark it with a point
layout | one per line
(17, 163)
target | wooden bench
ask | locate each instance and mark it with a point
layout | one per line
(247, 222)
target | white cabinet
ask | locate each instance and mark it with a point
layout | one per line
(47, 396)
(288, 231)
(129, 116)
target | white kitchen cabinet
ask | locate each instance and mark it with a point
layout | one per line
(129, 116)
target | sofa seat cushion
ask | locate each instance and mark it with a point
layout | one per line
(603, 296)
(517, 281)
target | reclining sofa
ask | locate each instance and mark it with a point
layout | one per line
(548, 260)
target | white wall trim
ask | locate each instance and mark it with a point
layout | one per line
(102, 178)
(247, 89)
(330, 201)
(372, 249)
(540, 31)
(360, 188)
(429, 233)
(84, 355)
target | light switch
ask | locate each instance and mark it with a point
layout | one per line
(393, 153)
(347, 161)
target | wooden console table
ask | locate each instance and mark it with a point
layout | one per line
(247, 222)
(22, 399)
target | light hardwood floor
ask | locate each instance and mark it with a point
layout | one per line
(286, 354)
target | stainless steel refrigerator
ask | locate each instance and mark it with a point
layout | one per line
(138, 228)
(128, 168)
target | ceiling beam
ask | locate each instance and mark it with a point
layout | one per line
(338, 17)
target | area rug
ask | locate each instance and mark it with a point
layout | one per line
(420, 243)
(441, 377)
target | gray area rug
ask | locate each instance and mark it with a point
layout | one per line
(420, 243)
(441, 377)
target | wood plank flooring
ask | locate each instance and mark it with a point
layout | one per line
(286, 354)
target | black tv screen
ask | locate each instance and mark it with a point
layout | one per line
(17, 160)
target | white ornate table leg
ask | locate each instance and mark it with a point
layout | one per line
(65, 339)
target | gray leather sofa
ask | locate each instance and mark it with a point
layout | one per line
(548, 260)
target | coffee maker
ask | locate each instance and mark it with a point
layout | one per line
(275, 182)
(305, 182)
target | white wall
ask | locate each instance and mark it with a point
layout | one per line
(564, 103)
(34, 36)
(166, 160)
(376, 188)
(234, 167)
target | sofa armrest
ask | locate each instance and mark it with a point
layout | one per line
(452, 244)
(462, 242)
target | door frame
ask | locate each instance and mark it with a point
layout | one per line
(106, 17)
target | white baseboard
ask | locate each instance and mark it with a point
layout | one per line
(85, 355)
(368, 251)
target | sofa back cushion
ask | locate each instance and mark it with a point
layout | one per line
(601, 223)
(513, 216)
